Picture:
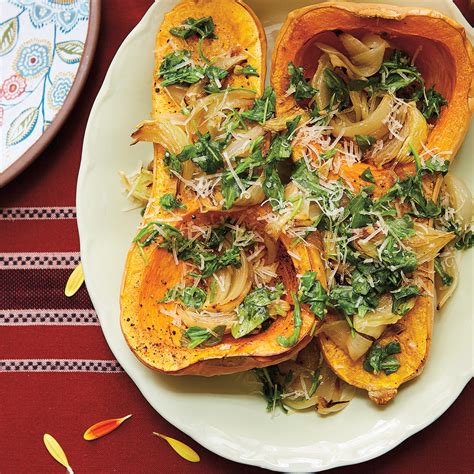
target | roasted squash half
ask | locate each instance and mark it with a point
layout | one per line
(443, 54)
(155, 334)
(238, 39)
(444, 57)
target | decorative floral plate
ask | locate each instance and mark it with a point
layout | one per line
(46, 47)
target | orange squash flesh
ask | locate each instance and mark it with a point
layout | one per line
(445, 59)
(238, 31)
(155, 339)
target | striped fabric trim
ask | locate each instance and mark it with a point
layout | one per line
(37, 213)
(59, 365)
(48, 317)
(35, 261)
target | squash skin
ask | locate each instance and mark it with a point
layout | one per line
(154, 338)
(410, 26)
(236, 24)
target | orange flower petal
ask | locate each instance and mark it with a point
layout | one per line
(182, 449)
(103, 427)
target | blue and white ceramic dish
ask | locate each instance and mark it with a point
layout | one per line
(44, 44)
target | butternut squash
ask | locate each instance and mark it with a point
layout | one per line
(445, 59)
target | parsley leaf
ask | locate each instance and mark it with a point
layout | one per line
(367, 175)
(397, 258)
(272, 185)
(381, 358)
(190, 296)
(168, 202)
(432, 101)
(401, 228)
(298, 84)
(246, 70)
(253, 311)
(200, 253)
(404, 299)
(298, 322)
(196, 336)
(313, 293)
(177, 68)
(205, 153)
(263, 107)
(364, 141)
(202, 27)
(272, 390)
(215, 75)
(446, 279)
(337, 87)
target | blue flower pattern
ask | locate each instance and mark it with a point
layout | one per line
(64, 14)
(59, 91)
(33, 59)
(44, 52)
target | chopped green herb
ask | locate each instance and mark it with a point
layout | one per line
(404, 299)
(313, 293)
(215, 75)
(168, 202)
(465, 240)
(177, 68)
(401, 228)
(315, 383)
(253, 311)
(327, 155)
(298, 322)
(367, 175)
(382, 359)
(190, 296)
(205, 153)
(298, 84)
(337, 87)
(200, 253)
(246, 70)
(432, 101)
(364, 141)
(272, 390)
(196, 336)
(202, 27)
(446, 279)
(272, 185)
(263, 107)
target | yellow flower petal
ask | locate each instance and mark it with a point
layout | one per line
(54, 448)
(75, 281)
(182, 449)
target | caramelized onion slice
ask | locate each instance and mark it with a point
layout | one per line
(340, 333)
(460, 199)
(172, 137)
(449, 265)
(373, 125)
(428, 242)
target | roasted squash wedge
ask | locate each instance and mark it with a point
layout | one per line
(182, 111)
(155, 334)
(312, 38)
(438, 44)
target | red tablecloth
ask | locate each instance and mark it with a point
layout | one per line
(57, 374)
